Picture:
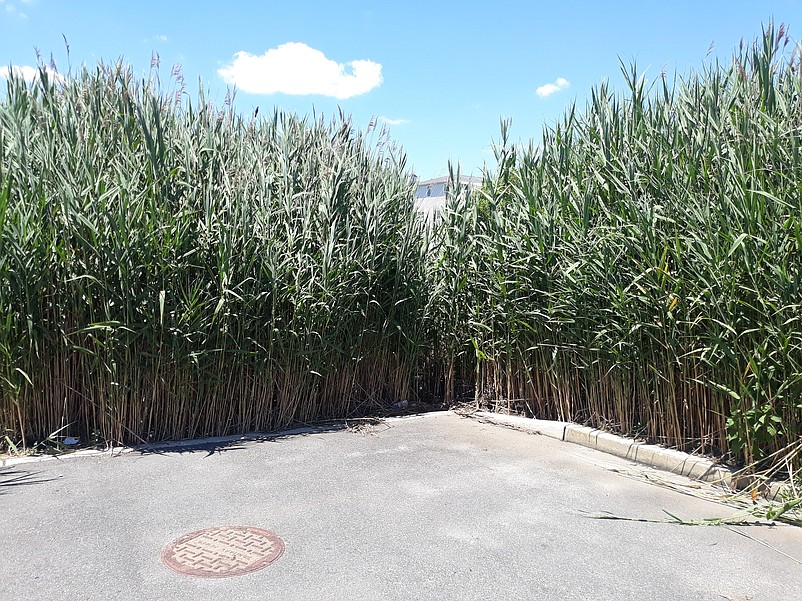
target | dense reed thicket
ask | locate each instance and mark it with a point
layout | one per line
(641, 268)
(168, 270)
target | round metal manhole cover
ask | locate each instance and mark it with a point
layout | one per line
(222, 552)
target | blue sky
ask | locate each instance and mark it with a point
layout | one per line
(440, 75)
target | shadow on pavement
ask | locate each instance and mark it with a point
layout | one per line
(17, 477)
(211, 446)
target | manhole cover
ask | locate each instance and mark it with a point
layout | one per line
(221, 552)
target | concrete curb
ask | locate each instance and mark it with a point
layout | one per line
(669, 460)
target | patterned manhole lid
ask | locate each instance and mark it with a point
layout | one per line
(221, 552)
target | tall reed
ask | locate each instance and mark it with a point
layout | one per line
(168, 270)
(641, 267)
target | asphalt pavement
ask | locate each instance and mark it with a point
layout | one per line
(436, 506)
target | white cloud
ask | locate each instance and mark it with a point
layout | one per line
(161, 38)
(548, 89)
(28, 73)
(389, 121)
(11, 9)
(295, 68)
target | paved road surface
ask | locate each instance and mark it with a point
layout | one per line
(430, 507)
